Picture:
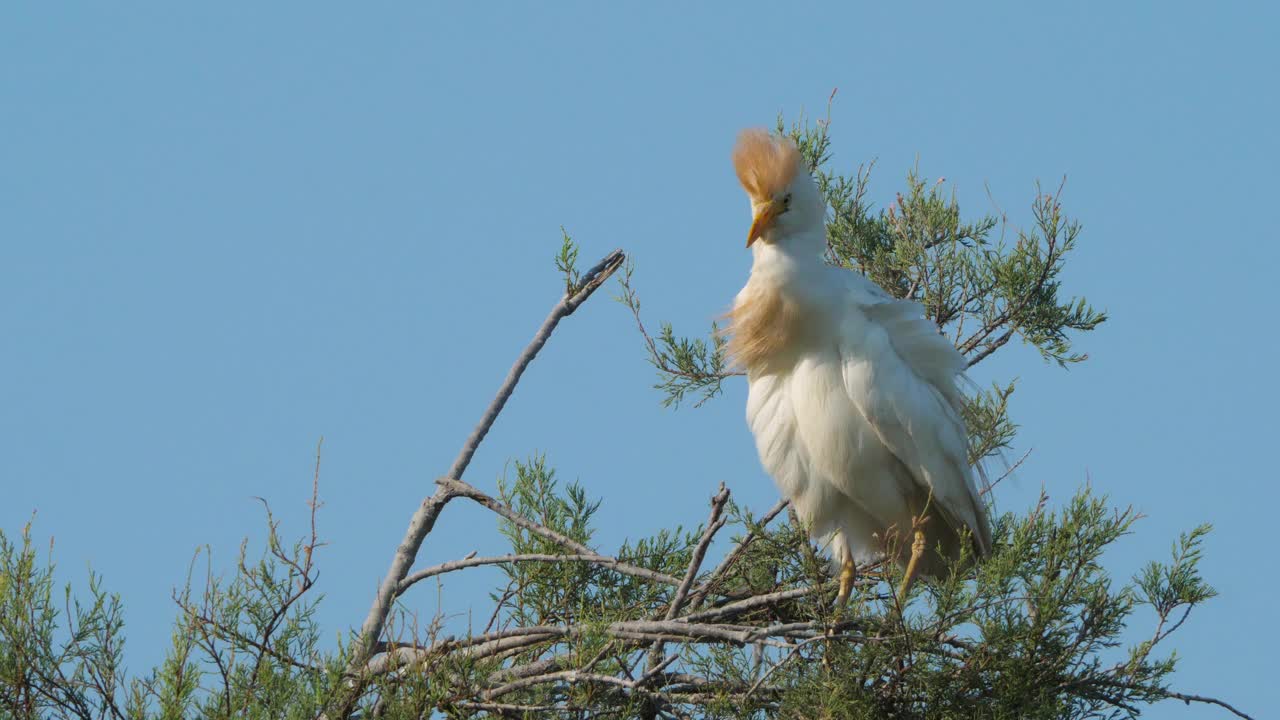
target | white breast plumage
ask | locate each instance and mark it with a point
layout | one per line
(852, 395)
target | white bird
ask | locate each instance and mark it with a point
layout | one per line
(853, 396)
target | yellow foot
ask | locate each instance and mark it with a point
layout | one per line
(847, 576)
(917, 551)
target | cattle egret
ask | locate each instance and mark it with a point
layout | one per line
(853, 396)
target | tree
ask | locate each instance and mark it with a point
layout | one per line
(655, 628)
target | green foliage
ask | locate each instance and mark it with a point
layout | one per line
(567, 262)
(684, 365)
(253, 635)
(1035, 631)
(986, 416)
(56, 658)
(245, 647)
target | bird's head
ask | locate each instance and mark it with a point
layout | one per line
(785, 202)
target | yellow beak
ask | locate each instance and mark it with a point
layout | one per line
(763, 220)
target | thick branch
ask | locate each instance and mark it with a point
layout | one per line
(739, 607)
(424, 518)
(489, 644)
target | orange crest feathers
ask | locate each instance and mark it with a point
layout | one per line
(765, 163)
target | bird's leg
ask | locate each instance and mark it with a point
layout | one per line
(847, 575)
(917, 551)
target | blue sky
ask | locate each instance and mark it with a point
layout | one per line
(227, 231)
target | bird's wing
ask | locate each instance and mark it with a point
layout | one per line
(901, 373)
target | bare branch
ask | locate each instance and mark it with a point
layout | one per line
(738, 550)
(566, 675)
(461, 489)
(739, 607)
(424, 518)
(470, 492)
(653, 672)
(991, 347)
(594, 558)
(1188, 699)
(520, 710)
(714, 523)
(991, 485)
(591, 280)
(481, 646)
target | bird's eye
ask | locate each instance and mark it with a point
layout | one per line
(786, 202)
